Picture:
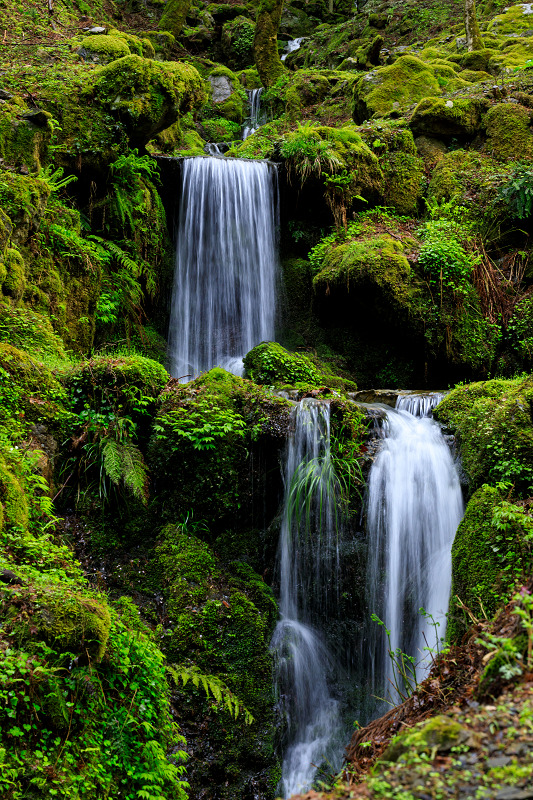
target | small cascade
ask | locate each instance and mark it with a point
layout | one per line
(308, 570)
(414, 508)
(255, 117)
(224, 296)
(291, 46)
(215, 149)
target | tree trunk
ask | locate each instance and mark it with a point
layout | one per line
(473, 34)
(174, 15)
(266, 55)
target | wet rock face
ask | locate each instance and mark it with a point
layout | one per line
(221, 86)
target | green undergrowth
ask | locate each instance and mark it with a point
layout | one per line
(271, 364)
(493, 423)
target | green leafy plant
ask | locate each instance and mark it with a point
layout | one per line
(517, 192)
(212, 686)
(200, 425)
(403, 666)
(443, 259)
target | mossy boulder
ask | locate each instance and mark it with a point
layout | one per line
(23, 142)
(483, 557)
(508, 130)
(493, 423)
(181, 139)
(438, 735)
(14, 505)
(237, 42)
(14, 282)
(515, 19)
(441, 118)
(204, 436)
(120, 385)
(162, 42)
(66, 619)
(270, 363)
(408, 80)
(24, 199)
(102, 48)
(403, 169)
(147, 96)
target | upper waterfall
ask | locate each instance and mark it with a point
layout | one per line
(224, 295)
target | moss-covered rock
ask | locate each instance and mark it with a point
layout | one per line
(493, 422)
(483, 557)
(408, 80)
(270, 363)
(508, 131)
(148, 96)
(237, 42)
(403, 169)
(440, 734)
(437, 117)
(125, 386)
(204, 436)
(24, 136)
(24, 199)
(103, 49)
(14, 282)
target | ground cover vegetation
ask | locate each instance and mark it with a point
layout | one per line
(139, 517)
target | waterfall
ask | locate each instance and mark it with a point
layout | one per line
(414, 508)
(308, 570)
(254, 119)
(224, 295)
(291, 46)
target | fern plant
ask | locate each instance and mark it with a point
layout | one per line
(212, 686)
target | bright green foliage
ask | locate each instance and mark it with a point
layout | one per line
(270, 363)
(105, 48)
(517, 192)
(491, 550)
(201, 442)
(446, 264)
(492, 420)
(212, 686)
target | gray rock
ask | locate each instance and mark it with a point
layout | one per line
(221, 87)
(97, 29)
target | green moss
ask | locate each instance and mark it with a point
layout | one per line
(146, 95)
(24, 199)
(406, 81)
(14, 282)
(514, 19)
(203, 437)
(270, 363)
(174, 15)
(22, 143)
(117, 385)
(266, 53)
(478, 60)
(105, 48)
(13, 498)
(188, 567)
(435, 116)
(440, 734)
(180, 139)
(162, 42)
(403, 170)
(480, 574)
(508, 132)
(493, 422)
(220, 130)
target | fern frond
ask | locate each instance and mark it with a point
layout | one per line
(212, 685)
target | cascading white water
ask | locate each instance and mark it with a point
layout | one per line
(291, 46)
(224, 296)
(308, 567)
(414, 508)
(254, 119)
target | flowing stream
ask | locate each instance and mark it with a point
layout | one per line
(224, 296)
(255, 116)
(414, 508)
(308, 570)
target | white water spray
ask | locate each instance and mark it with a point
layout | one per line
(309, 567)
(224, 295)
(414, 508)
(255, 115)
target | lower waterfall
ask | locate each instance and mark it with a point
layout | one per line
(224, 296)
(308, 571)
(415, 505)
